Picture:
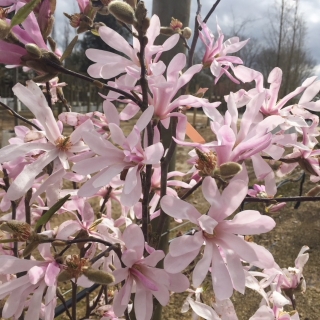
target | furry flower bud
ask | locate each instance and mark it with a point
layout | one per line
(34, 50)
(229, 169)
(99, 276)
(4, 29)
(19, 229)
(122, 11)
(187, 33)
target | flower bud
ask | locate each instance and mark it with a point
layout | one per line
(313, 192)
(141, 12)
(166, 31)
(306, 166)
(229, 169)
(275, 207)
(34, 50)
(99, 276)
(133, 3)
(4, 29)
(176, 25)
(19, 229)
(187, 33)
(64, 276)
(122, 11)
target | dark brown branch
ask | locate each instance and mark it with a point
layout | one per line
(282, 199)
(17, 115)
(191, 190)
(91, 80)
(195, 36)
(48, 95)
(60, 296)
(74, 300)
(211, 11)
(289, 160)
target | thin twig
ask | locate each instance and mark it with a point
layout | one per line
(60, 296)
(48, 95)
(64, 100)
(282, 199)
(91, 80)
(297, 205)
(74, 300)
(211, 11)
(106, 198)
(195, 36)
(191, 190)
(17, 115)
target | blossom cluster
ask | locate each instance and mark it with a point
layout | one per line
(115, 189)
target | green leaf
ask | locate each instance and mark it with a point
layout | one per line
(22, 14)
(47, 216)
(69, 48)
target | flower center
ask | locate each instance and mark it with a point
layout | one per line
(63, 143)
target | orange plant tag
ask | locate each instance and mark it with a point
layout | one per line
(193, 134)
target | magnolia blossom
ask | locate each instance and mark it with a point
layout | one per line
(57, 148)
(216, 55)
(224, 247)
(41, 276)
(272, 105)
(108, 64)
(112, 160)
(10, 54)
(142, 277)
(223, 310)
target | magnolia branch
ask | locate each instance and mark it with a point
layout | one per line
(282, 199)
(91, 80)
(17, 115)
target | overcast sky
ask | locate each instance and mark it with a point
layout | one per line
(242, 10)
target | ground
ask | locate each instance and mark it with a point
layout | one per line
(295, 228)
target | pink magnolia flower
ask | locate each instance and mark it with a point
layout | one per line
(108, 64)
(223, 310)
(248, 142)
(216, 55)
(140, 273)
(266, 313)
(85, 220)
(224, 247)
(112, 160)
(57, 148)
(10, 54)
(272, 105)
(41, 276)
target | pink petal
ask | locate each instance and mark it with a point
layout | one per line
(247, 222)
(179, 209)
(143, 304)
(203, 310)
(177, 264)
(117, 42)
(36, 273)
(10, 264)
(67, 229)
(178, 282)
(221, 281)
(186, 243)
(133, 238)
(25, 179)
(236, 272)
(202, 267)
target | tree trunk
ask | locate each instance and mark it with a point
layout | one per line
(165, 10)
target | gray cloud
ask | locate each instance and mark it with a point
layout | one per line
(240, 10)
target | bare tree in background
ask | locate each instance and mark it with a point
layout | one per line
(286, 46)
